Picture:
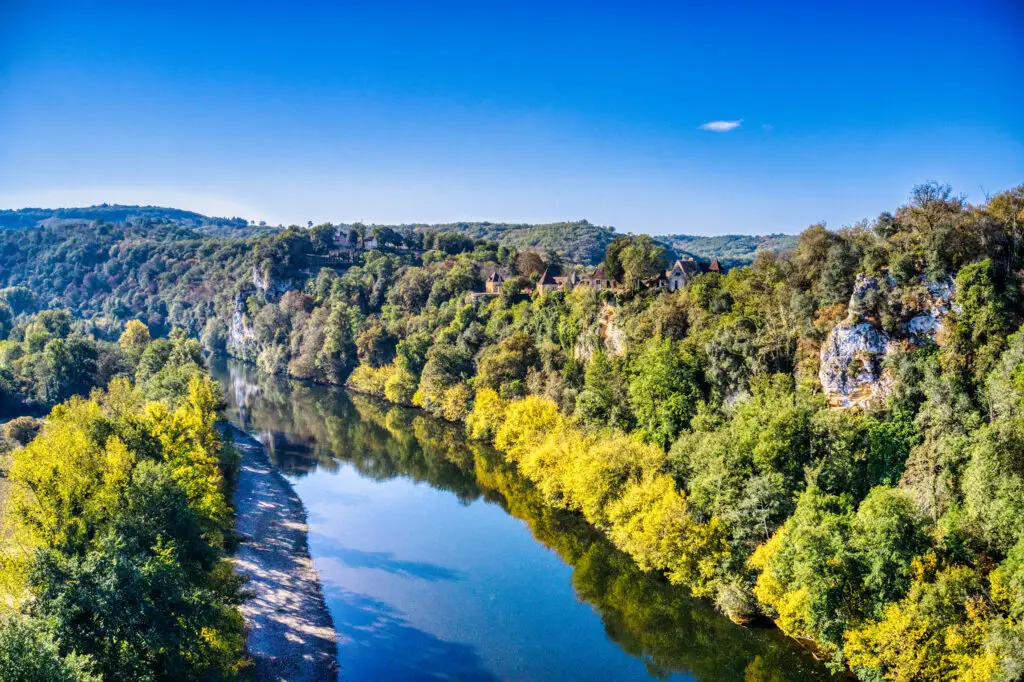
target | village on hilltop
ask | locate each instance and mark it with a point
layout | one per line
(673, 279)
(350, 243)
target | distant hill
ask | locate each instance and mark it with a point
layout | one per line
(577, 241)
(583, 242)
(730, 249)
(117, 213)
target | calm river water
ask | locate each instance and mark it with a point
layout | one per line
(439, 562)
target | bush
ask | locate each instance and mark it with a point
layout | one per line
(487, 415)
(370, 380)
(29, 653)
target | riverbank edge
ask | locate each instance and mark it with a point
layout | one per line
(760, 619)
(757, 620)
(289, 629)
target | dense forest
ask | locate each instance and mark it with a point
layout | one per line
(576, 242)
(116, 213)
(732, 249)
(831, 436)
(116, 522)
(583, 242)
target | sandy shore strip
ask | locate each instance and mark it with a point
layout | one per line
(290, 633)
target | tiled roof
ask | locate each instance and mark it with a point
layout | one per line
(546, 278)
(684, 265)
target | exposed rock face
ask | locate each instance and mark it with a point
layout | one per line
(852, 371)
(926, 324)
(271, 287)
(241, 341)
(851, 365)
(604, 334)
(260, 280)
(613, 337)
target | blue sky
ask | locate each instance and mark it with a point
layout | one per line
(397, 112)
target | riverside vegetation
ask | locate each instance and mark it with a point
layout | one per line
(311, 429)
(116, 520)
(690, 427)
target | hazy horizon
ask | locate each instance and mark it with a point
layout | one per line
(372, 223)
(301, 223)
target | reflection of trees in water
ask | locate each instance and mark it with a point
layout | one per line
(645, 615)
(307, 427)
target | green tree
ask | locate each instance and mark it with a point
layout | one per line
(887, 534)
(6, 320)
(807, 573)
(993, 484)
(29, 653)
(529, 264)
(977, 331)
(642, 260)
(504, 367)
(613, 267)
(447, 366)
(20, 299)
(68, 368)
(663, 389)
(891, 443)
(936, 632)
(376, 346)
(602, 402)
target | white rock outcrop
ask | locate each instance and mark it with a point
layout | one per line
(851, 365)
(939, 303)
(241, 342)
(612, 335)
(852, 370)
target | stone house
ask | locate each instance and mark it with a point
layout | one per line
(547, 283)
(568, 281)
(492, 285)
(682, 273)
(599, 280)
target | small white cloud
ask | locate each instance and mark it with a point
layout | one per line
(767, 126)
(721, 126)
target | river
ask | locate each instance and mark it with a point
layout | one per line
(439, 562)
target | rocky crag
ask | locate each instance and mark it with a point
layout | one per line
(883, 318)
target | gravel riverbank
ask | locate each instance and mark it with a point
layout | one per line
(290, 633)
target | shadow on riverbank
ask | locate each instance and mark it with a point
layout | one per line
(290, 633)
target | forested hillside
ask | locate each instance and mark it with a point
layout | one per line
(731, 249)
(583, 242)
(832, 436)
(115, 517)
(574, 242)
(115, 213)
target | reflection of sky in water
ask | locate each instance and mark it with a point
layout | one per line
(424, 587)
(429, 582)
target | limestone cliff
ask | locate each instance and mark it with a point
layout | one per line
(241, 341)
(272, 286)
(612, 335)
(603, 334)
(883, 317)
